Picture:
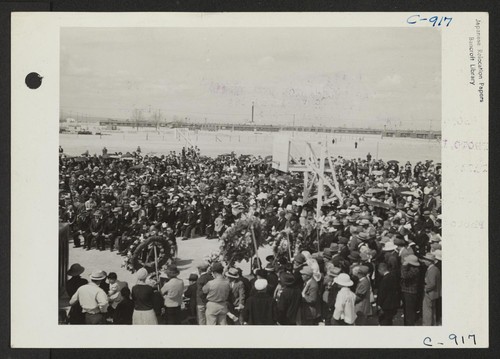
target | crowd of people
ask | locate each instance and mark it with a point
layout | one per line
(368, 255)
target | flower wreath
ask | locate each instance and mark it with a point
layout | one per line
(237, 244)
(141, 253)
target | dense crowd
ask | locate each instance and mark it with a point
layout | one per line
(367, 256)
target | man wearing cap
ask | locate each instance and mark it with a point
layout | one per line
(93, 300)
(432, 290)
(309, 310)
(172, 292)
(217, 291)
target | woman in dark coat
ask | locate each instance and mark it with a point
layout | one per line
(75, 315)
(125, 309)
(259, 309)
(288, 299)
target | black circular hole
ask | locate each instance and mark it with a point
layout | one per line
(33, 80)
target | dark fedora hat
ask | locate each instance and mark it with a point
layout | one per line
(75, 269)
(287, 279)
(355, 256)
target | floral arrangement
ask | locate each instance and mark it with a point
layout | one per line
(141, 253)
(237, 243)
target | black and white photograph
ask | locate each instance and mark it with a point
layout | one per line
(283, 175)
(250, 176)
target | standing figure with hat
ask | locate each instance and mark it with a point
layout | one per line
(391, 257)
(172, 292)
(76, 316)
(144, 298)
(288, 297)
(201, 298)
(260, 307)
(310, 304)
(329, 294)
(272, 277)
(363, 293)
(236, 296)
(438, 254)
(410, 274)
(190, 296)
(217, 291)
(345, 312)
(432, 290)
(388, 295)
(92, 299)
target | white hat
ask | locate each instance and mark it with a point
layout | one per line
(164, 225)
(438, 254)
(142, 274)
(389, 246)
(260, 284)
(98, 275)
(344, 280)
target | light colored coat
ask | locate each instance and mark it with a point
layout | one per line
(363, 291)
(433, 282)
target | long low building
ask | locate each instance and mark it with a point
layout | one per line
(424, 134)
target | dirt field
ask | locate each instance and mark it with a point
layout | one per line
(244, 142)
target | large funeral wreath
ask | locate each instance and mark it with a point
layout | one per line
(142, 253)
(237, 243)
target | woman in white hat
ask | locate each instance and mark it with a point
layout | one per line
(345, 312)
(143, 297)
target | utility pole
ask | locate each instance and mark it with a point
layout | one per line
(252, 111)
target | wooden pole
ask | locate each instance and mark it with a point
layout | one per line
(317, 238)
(156, 267)
(255, 246)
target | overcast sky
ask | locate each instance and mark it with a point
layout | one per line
(324, 76)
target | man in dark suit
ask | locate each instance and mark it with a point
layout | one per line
(111, 229)
(96, 228)
(388, 297)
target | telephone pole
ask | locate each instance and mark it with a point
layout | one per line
(252, 111)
